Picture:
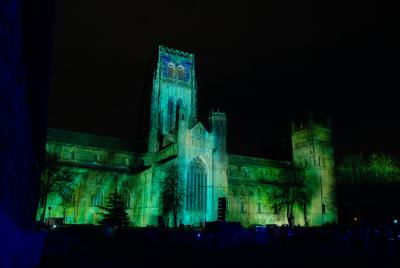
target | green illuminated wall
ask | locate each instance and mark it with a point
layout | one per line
(198, 154)
(312, 151)
(250, 181)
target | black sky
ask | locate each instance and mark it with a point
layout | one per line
(261, 64)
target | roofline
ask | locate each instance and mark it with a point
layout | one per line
(119, 141)
(270, 161)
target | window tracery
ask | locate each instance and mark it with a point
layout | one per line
(97, 197)
(196, 185)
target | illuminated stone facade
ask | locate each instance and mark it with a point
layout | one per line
(198, 154)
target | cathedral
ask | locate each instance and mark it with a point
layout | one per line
(196, 154)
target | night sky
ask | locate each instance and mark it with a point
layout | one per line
(261, 64)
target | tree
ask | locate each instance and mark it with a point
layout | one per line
(54, 178)
(382, 168)
(351, 169)
(290, 190)
(377, 168)
(115, 214)
(172, 194)
(368, 187)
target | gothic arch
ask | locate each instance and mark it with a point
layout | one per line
(90, 216)
(233, 171)
(97, 197)
(181, 72)
(245, 172)
(242, 206)
(126, 197)
(196, 185)
(171, 70)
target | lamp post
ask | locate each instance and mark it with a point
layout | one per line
(49, 208)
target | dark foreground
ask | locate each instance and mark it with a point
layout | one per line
(81, 246)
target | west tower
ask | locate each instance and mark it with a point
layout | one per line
(313, 152)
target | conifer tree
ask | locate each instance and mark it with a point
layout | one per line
(114, 212)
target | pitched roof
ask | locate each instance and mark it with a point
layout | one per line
(91, 140)
(241, 160)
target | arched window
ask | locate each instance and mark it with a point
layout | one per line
(245, 172)
(233, 171)
(69, 197)
(170, 115)
(196, 182)
(97, 197)
(242, 206)
(181, 72)
(177, 112)
(171, 70)
(126, 198)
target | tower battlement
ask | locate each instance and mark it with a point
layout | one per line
(176, 52)
(310, 123)
(313, 152)
(213, 113)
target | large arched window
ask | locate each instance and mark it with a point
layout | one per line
(196, 185)
(126, 198)
(97, 197)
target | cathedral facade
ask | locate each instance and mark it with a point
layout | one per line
(181, 146)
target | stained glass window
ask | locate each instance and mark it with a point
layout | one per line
(196, 185)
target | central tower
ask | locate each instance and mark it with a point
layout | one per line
(173, 95)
